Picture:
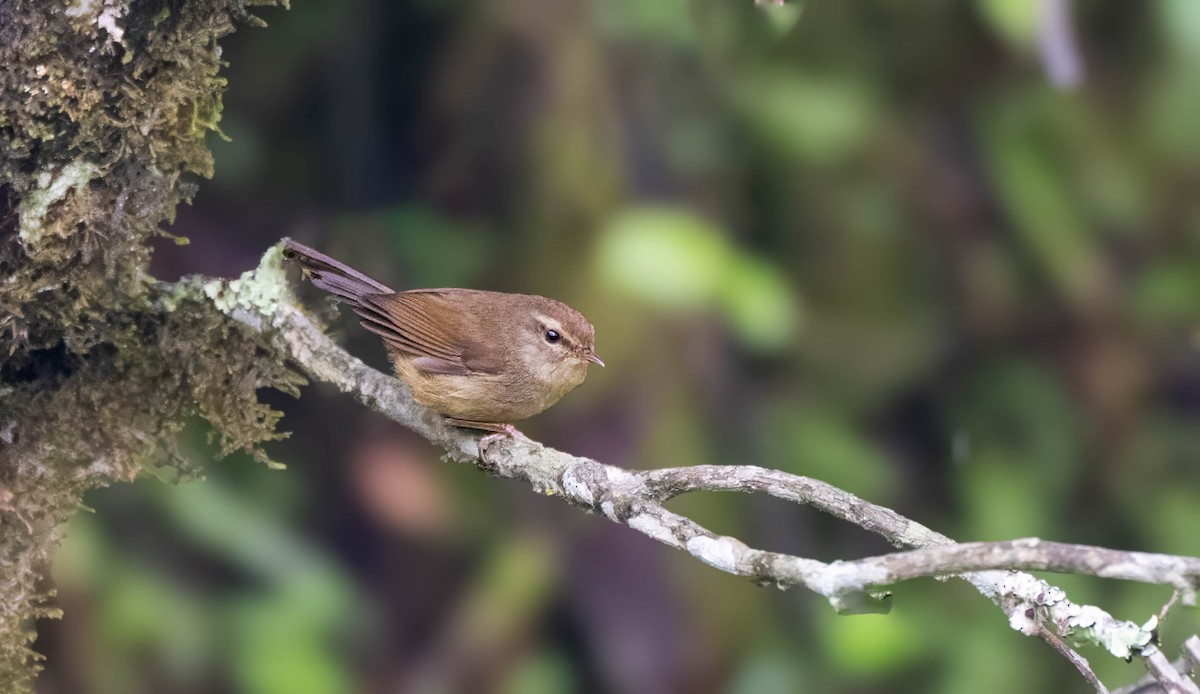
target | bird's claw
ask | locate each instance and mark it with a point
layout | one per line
(509, 432)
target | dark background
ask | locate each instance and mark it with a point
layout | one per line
(869, 242)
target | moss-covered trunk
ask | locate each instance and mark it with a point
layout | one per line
(104, 110)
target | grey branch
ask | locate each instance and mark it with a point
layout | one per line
(1171, 677)
(263, 301)
(1191, 652)
(1058, 45)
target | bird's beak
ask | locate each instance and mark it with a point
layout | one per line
(591, 356)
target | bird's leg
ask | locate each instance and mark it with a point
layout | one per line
(499, 431)
(503, 429)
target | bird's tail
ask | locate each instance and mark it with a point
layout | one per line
(338, 279)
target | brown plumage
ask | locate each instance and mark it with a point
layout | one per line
(483, 359)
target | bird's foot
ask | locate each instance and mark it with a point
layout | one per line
(508, 432)
(499, 432)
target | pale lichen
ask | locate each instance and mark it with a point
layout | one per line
(653, 527)
(1030, 601)
(51, 188)
(259, 291)
(103, 13)
(577, 488)
(722, 552)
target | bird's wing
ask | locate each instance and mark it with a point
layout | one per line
(430, 327)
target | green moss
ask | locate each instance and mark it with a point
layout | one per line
(104, 107)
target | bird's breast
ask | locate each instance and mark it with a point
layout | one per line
(513, 393)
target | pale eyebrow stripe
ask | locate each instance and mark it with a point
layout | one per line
(549, 322)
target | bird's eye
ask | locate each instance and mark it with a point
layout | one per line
(552, 336)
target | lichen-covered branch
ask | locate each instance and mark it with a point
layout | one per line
(260, 300)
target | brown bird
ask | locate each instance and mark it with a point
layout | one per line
(483, 359)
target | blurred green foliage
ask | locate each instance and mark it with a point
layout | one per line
(276, 632)
(670, 261)
(866, 242)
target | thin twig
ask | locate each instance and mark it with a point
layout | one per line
(1080, 663)
(1170, 605)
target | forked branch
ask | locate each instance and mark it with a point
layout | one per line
(262, 300)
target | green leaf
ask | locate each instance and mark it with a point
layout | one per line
(1032, 182)
(278, 649)
(667, 258)
(546, 672)
(759, 304)
(767, 672)
(871, 645)
(663, 20)
(821, 120)
(1180, 21)
(1168, 292)
(1015, 20)
(782, 16)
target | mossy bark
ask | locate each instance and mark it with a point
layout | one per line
(104, 109)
